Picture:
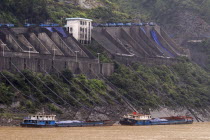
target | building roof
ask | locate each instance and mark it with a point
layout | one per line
(79, 19)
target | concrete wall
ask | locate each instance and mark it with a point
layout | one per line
(166, 45)
(62, 45)
(122, 40)
(136, 46)
(20, 30)
(179, 50)
(38, 45)
(116, 41)
(84, 51)
(24, 41)
(42, 56)
(51, 46)
(131, 40)
(107, 69)
(12, 40)
(148, 42)
(13, 43)
(3, 48)
(146, 61)
(139, 36)
(104, 42)
(42, 63)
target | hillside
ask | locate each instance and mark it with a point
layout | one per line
(182, 19)
(161, 11)
(181, 86)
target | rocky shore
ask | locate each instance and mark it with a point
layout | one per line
(108, 113)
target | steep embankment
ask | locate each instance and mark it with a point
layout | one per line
(67, 96)
(183, 86)
(177, 89)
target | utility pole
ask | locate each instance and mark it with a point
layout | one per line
(54, 53)
(76, 55)
(3, 46)
(29, 52)
(98, 57)
(99, 63)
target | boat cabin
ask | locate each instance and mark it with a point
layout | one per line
(137, 116)
(40, 117)
(39, 120)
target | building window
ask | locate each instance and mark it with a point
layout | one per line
(71, 29)
(80, 22)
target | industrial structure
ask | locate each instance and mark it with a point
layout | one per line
(53, 48)
(47, 49)
(80, 29)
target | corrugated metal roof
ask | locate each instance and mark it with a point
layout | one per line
(79, 19)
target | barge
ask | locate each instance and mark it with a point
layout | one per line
(141, 119)
(41, 120)
(76, 123)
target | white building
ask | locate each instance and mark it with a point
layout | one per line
(80, 28)
(40, 117)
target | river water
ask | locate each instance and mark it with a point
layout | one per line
(196, 131)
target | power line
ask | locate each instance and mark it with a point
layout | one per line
(93, 109)
(17, 88)
(34, 85)
(63, 88)
(75, 86)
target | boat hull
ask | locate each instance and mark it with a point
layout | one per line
(81, 124)
(86, 124)
(149, 122)
(36, 125)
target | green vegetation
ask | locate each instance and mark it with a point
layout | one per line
(182, 84)
(95, 48)
(34, 11)
(51, 91)
(203, 47)
(162, 11)
(146, 87)
(39, 11)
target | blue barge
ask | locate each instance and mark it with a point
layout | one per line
(76, 123)
(141, 119)
(41, 120)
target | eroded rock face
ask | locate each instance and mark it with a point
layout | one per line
(5, 121)
(86, 4)
(187, 25)
(89, 4)
(199, 115)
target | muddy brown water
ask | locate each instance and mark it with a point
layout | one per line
(196, 131)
